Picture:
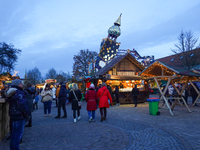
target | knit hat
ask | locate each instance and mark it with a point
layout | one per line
(16, 82)
(92, 86)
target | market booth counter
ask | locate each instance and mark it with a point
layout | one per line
(4, 118)
(125, 90)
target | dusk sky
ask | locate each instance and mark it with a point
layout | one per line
(51, 32)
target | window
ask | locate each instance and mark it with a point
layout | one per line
(172, 59)
(192, 55)
(181, 57)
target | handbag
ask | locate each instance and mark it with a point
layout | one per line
(79, 102)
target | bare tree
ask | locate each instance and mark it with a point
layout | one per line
(184, 49)
(80, 66)
(51, 74)
(34, 76)
(8, 57)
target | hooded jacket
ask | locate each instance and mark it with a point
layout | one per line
(91, 99)
(30, 96)
(18, 103)
(103, 95)
(62, 93)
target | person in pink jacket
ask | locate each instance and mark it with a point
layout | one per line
(91, 99)
(103, 96)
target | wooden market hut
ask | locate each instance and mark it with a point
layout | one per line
(163, 71)
(123, 71)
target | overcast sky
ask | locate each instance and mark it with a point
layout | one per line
(51, 32)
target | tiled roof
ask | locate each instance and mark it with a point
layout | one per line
(111, 64)
(176, 60)
(181, 70)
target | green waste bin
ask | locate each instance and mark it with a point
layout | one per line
(153, 106)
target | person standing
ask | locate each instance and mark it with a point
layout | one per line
(194, 93)
(57, 94)
(62, 101)
(103, 96)
(117, 95)
(47, 99)
(75, 97)
(67, 101)
(54, 93)
(35, 104)
(91, 99)
(135, 92)
(186, 95)
(29, 93)
(18, 111)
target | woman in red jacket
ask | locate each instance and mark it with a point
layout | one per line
(103, 95)
(91, 100)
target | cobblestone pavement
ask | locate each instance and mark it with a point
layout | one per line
(126, 127)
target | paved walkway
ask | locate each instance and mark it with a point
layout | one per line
(126, 127)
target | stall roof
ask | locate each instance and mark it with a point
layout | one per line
(155, 69)
(111, 64)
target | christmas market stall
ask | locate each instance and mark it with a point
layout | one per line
(173, 75)
(5, 78)
(123, 71)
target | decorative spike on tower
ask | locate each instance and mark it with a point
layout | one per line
(115, 31)
(109, 46)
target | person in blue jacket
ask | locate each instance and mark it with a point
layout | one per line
(18, 111)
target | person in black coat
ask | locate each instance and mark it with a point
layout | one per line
(117, 95)
(74, 97)
(18, 111)
(194, 93)
(62, 101)
(29, 93)
(135, 92)
(186, 95)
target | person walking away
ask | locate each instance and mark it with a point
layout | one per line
(29, 93)
(103, 96)
(75, 97)
(18, 111)
(62, 101)
(57, 94)
(91, 99)
(117, 95)
(47, 99)
(135, 92)
(35, 104)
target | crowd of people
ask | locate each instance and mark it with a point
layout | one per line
(24, 100)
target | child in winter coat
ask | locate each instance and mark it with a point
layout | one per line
(35, 102)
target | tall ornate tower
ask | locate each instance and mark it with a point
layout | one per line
(109, 46)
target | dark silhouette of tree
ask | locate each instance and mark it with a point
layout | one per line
(8, 57)
(184, 49)
(51, 74)
(34, 76)
(80, 66)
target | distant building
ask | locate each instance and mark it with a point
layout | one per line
(181, 59)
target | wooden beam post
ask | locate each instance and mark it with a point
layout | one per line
(162, 94)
